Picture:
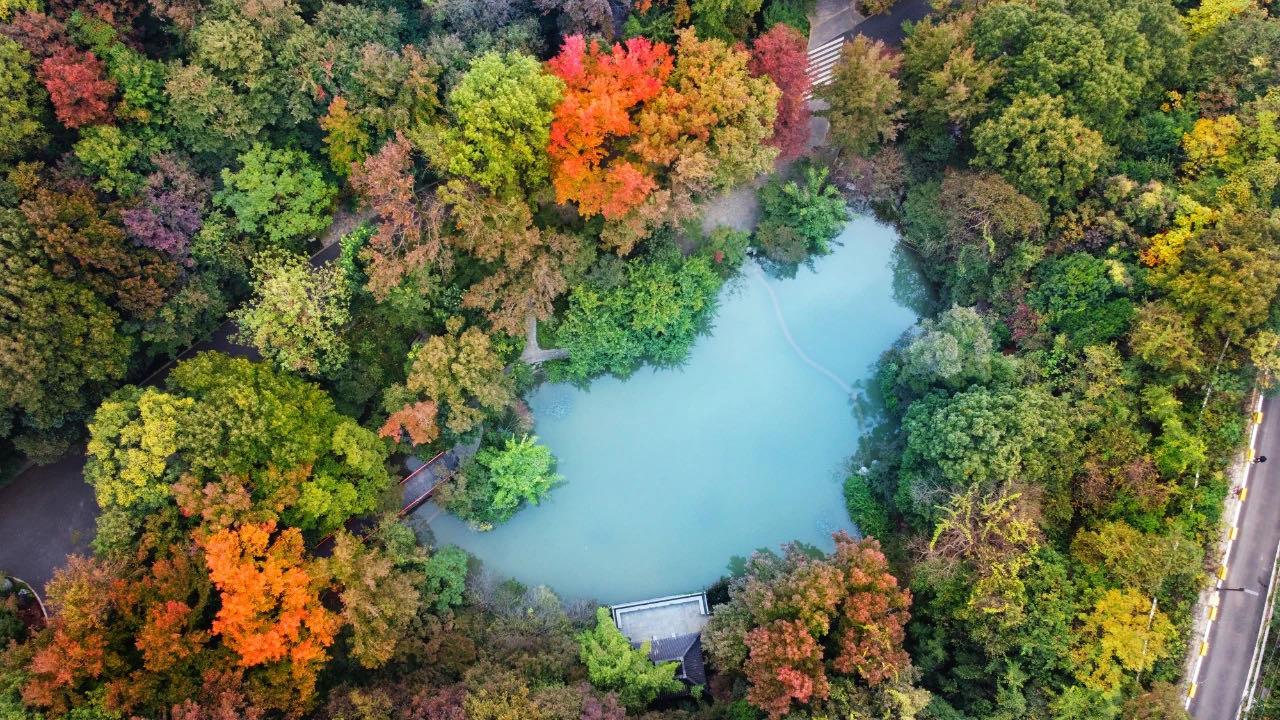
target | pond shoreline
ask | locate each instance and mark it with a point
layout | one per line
(645, 512)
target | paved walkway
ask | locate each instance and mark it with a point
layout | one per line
(49, 512)
(832, 19)
(533, 353)
(738, 209)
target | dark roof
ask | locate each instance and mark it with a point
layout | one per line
(684, 649)
(695, 672)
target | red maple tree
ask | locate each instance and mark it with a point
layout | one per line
(602, 89)
(871, 625)
(78, 87)
(781, 55)
(785, 665)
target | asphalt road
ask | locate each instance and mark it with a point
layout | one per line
(888, 27)
(49, 512)
(1224, 671)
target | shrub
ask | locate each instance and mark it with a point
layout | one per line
(798, 216)
(493, 486)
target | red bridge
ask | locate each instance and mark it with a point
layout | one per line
(415, 488)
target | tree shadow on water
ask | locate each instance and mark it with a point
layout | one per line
(910, 288)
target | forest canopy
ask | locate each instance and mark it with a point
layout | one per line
(391, 220)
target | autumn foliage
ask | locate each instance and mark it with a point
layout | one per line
(78, 86)
(106, 613)
(84, 239)
(270, 607)
(781, 54)
(785, 666)
(408, 236)
(169, 213)
(418, 420)
(529, 263)
(602, 89)
(792, 623)
(79, 649)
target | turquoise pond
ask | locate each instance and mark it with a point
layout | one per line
(672, 472)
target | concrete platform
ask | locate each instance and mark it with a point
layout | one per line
(664, 617)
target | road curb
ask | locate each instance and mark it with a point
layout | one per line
(1259, 648)
(1205, 611)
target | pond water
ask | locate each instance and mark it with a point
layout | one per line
(672, 472)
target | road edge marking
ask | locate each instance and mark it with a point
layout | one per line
(1211, 611)
(1260, 643)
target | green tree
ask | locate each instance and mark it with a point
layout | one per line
(499, 694)
(378, 601)
(21, 101)
(726, 20)
(61, 346)
(206, 114)
(1045, 153)
(132, 437)
(110, 156)
(279, 195)
(1226, 276)
(297, 313)
(459, 372)
(984, 227)
(1165, 340)
(863, 96)
(302, 460)
(613, 664)
(1229, 62)
(9, 7)
(1178, 450)
(346, 140)
(1077, 296)
(446, 577)
(947, 86)
(986, 437)
(246, 71)
(499, 480)
(1130, 558)
(1100, 61)
(953, 351)
(811, 208)
(654, 316)
(391, 90)
(501, 119)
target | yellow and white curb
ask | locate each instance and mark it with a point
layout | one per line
(1233, 532)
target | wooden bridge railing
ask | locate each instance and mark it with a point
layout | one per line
(412, 504)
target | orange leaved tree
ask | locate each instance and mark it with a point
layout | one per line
(271, 609)
(602, 88)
